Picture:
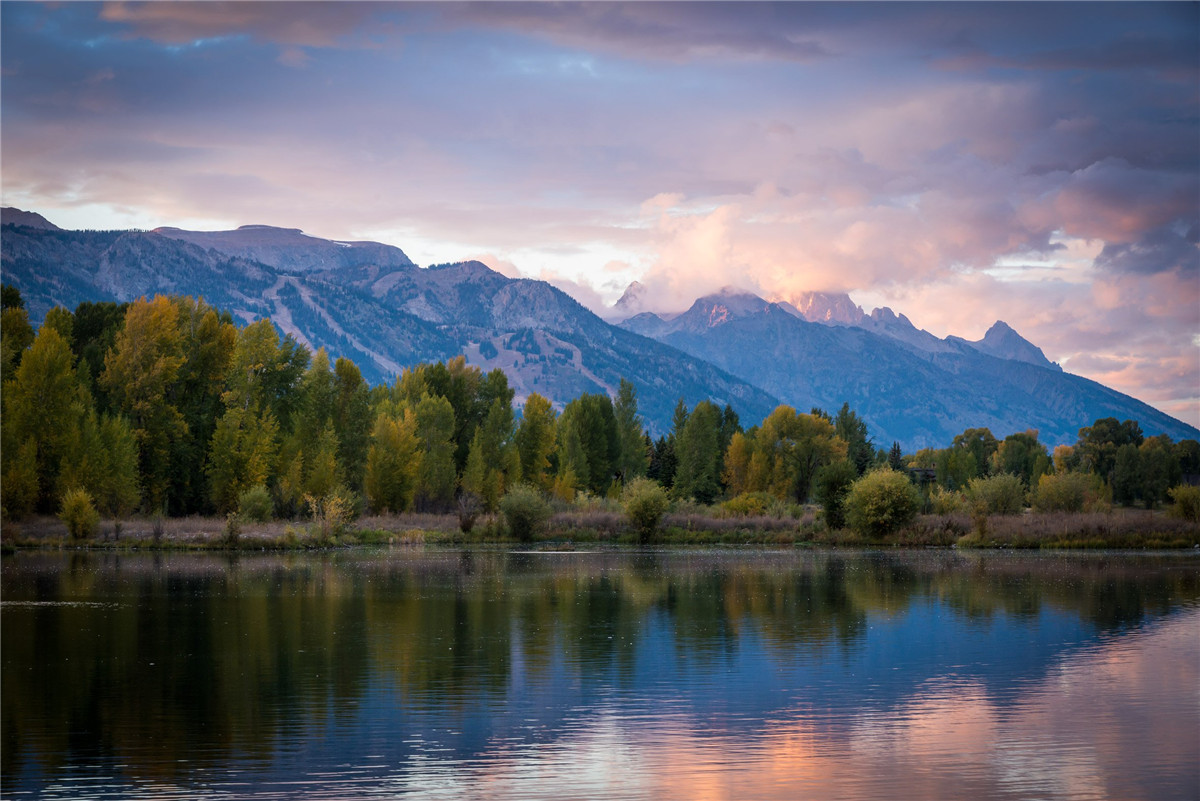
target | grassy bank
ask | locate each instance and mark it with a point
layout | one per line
(1118, 529)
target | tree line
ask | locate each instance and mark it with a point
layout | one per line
(166, 406)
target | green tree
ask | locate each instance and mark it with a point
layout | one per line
(981, 444)
(435, 437)
(102, 459)
(1125, 475)
(96, 329)
(321, 469)
(1098, 443)
(1023, 456)
(536, 441)
(207, 340)
(832, 485)
(1159, 469)
(1001, 494)
(852, 430)
(591, 417)
(352, 421)
(796, 446)
(15, 336)
(245, 447)
(698, 446)
(393, 463)
(493, 463)
(881, 502)
(632, 459)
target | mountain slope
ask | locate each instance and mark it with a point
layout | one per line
(385, 314)
(919, 397)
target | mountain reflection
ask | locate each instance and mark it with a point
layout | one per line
(170, 669)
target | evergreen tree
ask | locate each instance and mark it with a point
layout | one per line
(351, 421)
(860, 450)
(663, 462)
(699, 449)
(632, 458)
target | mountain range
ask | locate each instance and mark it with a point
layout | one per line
(369, 302)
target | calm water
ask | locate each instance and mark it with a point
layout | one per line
(655, 675)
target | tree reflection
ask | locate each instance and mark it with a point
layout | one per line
(165, 664)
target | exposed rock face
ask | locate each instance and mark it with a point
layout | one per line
(1003, 342)
(826, 307)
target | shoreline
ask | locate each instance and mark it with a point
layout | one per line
(1124, 529)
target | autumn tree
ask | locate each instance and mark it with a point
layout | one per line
(393, 462)
(43, 407)
(140, 375)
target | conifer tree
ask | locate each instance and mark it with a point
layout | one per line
(632, 457)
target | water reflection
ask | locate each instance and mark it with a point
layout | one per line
(623, 675)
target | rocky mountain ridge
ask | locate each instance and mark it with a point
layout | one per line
(375, 306)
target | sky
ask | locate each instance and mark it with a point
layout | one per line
(1037, 163)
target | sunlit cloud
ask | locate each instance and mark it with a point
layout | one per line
(962, 163)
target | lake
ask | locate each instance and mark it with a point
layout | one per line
(658, 674)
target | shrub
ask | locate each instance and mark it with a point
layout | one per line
(233, 530)
(469, 507)
(832, 482)
(1066, 492)
(749, 504)
(881, 502)
(79, 513)
(256, 504)
(645, 504)
(1002, 494)
(945, 502)
(1187, 502)
(332, 513)
(525, 511)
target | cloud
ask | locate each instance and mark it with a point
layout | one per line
(294, 24)
(940, 156)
